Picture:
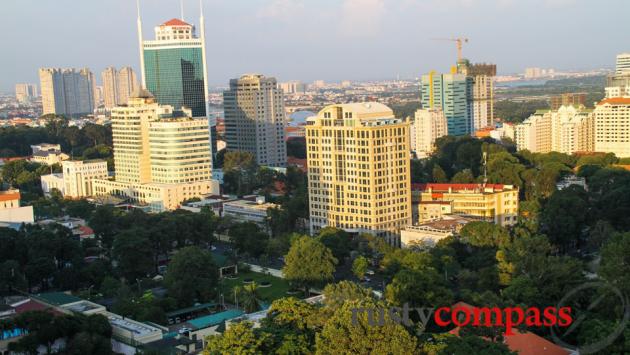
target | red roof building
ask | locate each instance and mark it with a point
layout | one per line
(176, 22)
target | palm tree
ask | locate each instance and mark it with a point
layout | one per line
(248, 297)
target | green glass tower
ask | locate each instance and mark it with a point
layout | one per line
(173, 67)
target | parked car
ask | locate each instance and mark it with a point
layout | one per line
(369, 272)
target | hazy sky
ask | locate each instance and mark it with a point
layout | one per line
(318, 39)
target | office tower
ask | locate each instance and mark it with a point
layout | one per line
(126, 85)
(623, 63)
(293, 87)
(67, 91)
(482, 75)
(359, 170)
(110, 87)
(318, 84)
(173, 68)
(612, 126)
(428, 125)
(568, 99)
(25, 92)
(255, 119)
(534, 134)
(161, 156)
(453, 94)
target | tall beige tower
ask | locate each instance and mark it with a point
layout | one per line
(255, 119)
(110, 87)
(127, 84)
(130, 133)
(428, 125)
(359, 170)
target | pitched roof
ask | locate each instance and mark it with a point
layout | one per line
(615, 101)
(214, 319)
(176, 22)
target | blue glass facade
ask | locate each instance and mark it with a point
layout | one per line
(453, 93)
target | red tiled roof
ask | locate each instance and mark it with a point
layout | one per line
(175, 22)
(85, 231)
(32, 305)
(615, 101)
(455, 187)
(527, 343)
(9, 195)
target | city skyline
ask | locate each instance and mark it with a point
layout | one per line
(312, 29)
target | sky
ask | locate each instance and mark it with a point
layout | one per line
(306, 40)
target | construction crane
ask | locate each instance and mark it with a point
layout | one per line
(459, 42)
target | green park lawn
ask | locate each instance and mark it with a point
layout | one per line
(278, 288)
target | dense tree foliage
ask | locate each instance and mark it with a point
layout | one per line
(309, 263)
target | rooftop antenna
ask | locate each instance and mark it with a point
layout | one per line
(181, 9)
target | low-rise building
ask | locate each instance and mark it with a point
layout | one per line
(158, 197)
(429, 233)
(10, 210)
(48, 154)
(495, 203)
(572, 180)
(76, 179)
(431, 210)
(249, 210)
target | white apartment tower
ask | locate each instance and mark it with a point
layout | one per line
(428, 125)
(612, 126)
(255, 119)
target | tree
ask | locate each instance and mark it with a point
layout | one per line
(309, 263)
(564, 217)
(418, 288)
(484, 234)
(614, 266)
(248, 297)
(359, 267)
(341, 335)
(463, 177)
(239, 338)
(135, 260)
(446, 344)
(338, 293)
(248, 238)
(438, 174)
(191, 275)
(337, 240)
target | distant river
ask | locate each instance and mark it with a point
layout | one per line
(514, 84)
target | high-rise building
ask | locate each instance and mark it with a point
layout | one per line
(623, 63)
(118, 85)
(453, 94)
(25, 92)
(110, 87)
(482, 75)
(427, 126)
(611, 121)
(255, 119)
(359, 170)
(618, 84)
(161, 156)
(293, 87)
(67, 91)
(566, 130)
(173, 67)
(127, 84)
(534, 134)
(568, 99)
(571, 129)
(98, 96)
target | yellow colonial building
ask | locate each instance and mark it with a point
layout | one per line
(488, 202)
(359, 170)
